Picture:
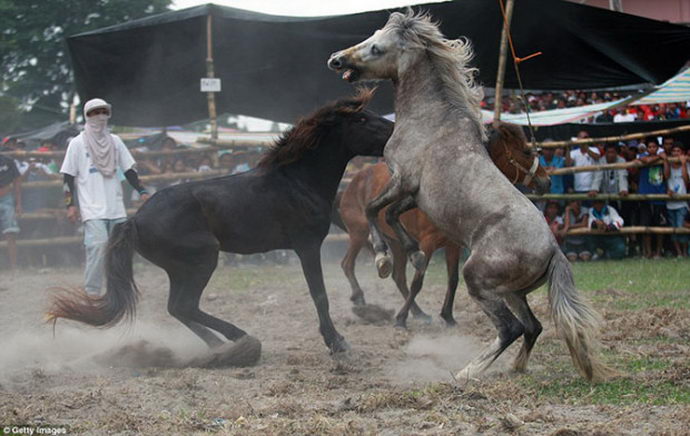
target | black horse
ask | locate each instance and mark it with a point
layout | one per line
(285, 203)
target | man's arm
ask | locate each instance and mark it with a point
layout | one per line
(68, 189)
(17, 185)
(133, 179)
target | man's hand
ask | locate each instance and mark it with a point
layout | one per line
(683, 159)
(73, 214)
(145, 197)
(600, 224)
(623, 193)
(18, 211)
(592, 193)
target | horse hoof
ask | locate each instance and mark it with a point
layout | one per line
(358, 300)
(423, 317)
(340, 345)
(401, 324)
(450, 322)
(418, 260)
(383, 265)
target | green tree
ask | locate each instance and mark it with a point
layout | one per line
(36, 68)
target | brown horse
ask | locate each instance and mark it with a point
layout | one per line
(508, 149)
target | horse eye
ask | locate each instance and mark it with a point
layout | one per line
(362, 120)
(375, 50)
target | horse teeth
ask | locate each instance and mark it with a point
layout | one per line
(347, 74)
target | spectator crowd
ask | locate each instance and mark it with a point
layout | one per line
(560, 100)
(661, 176)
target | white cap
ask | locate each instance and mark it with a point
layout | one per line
(95, 103)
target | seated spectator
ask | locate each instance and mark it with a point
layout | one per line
(652, 213)
(205, 165)
(552, 214)
(550, 162)
(576, 246)
(677, 180)
(606, 218)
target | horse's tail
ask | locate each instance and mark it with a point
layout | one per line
(121, 293)
(576, 322)
(335, 213)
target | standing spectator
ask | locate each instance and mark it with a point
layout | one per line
(610, 181)
(652, 212)
(606, 218)
(584, 155)
(550, 162)
(677, 180)
(625, 116)
(92, 160)
(576, 246)
(10, 205)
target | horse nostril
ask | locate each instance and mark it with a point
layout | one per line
(335, 62)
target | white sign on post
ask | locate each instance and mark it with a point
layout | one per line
(209, 84)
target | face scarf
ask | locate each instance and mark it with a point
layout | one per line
(100, 144)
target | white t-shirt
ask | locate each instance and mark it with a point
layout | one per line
(676, 184)
(99, 197)
(583, 181)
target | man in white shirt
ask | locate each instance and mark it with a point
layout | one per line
(92, 160)
(584, 155)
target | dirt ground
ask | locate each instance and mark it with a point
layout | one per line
(391, 382)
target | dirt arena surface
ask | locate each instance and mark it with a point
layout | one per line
(124, 380)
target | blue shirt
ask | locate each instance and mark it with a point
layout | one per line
(556, 181)
(652, 180)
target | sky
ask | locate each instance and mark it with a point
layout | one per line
(303, 7)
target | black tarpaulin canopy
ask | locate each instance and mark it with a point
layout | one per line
(274, 67)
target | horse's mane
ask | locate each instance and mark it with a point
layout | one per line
(309, 131)
(450, 58)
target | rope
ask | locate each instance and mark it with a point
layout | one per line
(516, 62)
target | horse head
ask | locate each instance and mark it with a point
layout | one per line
(511, 153)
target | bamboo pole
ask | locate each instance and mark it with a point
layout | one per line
(502, 55)
(211, 74)
(613, 166)
(611, 197)
(589, 141)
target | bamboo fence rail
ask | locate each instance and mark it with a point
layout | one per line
(613, 166)
(628, 137)
(166, 177)
(611, 197)
(215, 147)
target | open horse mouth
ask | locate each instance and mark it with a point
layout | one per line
(350, 74)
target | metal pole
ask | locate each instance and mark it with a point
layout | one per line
(210, 73)
(502, 55)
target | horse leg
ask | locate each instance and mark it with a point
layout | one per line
(310, 257)
(452, 267)
(390, 194)
(518, 304)
(417, 257)
(428, 249)
(400, 278)
(348, 265)
(508, 326)
(186, 287)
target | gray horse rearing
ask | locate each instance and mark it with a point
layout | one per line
(438, 162)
